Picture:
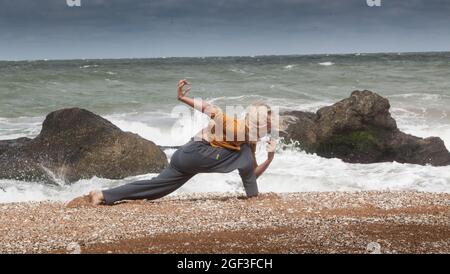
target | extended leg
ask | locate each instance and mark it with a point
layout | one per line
(166, 182)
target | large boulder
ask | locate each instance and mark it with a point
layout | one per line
(77, 144)
(360, 129)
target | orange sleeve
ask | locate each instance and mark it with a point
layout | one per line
(230, 124)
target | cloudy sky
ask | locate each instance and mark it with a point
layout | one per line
(49, 29)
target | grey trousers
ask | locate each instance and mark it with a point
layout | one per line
(190, 159)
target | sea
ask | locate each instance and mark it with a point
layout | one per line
(139, 95)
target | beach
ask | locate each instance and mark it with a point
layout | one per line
(314, 205)
(337, 115)
(139, 96)
(309, 222)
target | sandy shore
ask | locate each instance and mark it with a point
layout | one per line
(335, 222)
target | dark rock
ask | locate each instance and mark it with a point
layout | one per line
(77, 144)
(360, 129)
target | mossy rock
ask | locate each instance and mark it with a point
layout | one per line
(362, 145)
(360, 129)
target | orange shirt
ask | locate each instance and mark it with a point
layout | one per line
(233, 134)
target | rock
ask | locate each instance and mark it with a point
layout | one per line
(77, 144)
(360, 129)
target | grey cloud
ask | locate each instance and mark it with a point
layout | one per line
(31, 29)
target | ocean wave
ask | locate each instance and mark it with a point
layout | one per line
(88, 66)
(403, 113)
(237, 98)
(326, 63)
(422, 96)
(112, 81)
(13, 128)
(306, 102)
(289, 66)
(240, 71)
(291, 171)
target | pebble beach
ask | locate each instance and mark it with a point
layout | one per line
(312, 222)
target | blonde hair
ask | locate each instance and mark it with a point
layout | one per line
(258, 114)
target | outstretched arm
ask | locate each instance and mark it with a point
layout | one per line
(197, 104)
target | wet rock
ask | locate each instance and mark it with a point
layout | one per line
(77, 144)
(360, 129)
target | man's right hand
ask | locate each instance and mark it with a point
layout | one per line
(197, 104)
(181, 84)
(270, 148)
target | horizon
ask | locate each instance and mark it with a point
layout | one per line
(235, 56)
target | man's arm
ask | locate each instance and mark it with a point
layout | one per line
(259, 170)
(197, 104)
(271, 146)
(249, 180)
(249, 176)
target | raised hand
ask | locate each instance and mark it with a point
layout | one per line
(181, 84)
(271, 147)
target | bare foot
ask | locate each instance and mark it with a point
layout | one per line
(80, 201)
(96, 197)
(93, 198)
